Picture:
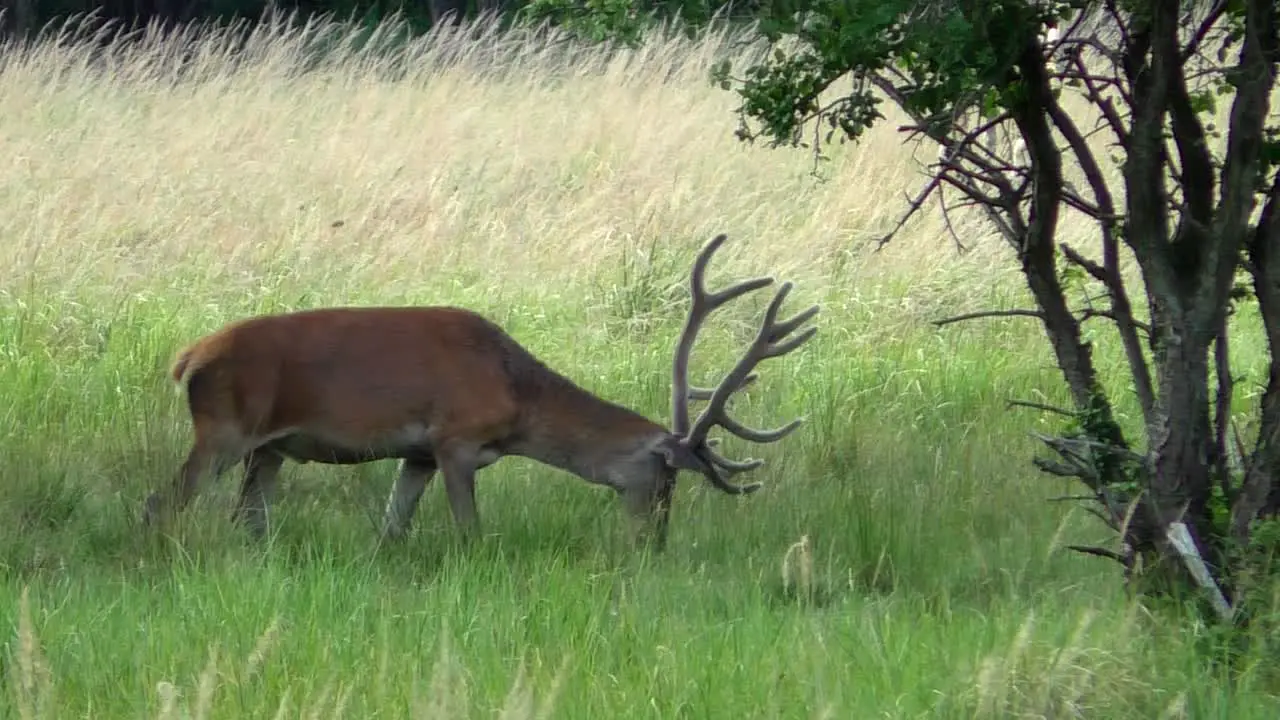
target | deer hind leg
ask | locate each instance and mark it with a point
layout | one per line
(405, 494)
(261, 468)
(212, 453)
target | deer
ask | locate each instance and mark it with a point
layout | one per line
(445, 389)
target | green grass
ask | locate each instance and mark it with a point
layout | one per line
(138, 213)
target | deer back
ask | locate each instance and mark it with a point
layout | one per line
(354, 373)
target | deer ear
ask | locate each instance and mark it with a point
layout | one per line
(678, 456)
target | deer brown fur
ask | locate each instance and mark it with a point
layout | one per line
(443, 388)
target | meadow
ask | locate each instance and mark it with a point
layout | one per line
(152, 193)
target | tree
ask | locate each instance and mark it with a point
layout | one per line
(1195, 220)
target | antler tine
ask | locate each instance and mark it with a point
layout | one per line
(698, 393)
(769, 342)
(731, 467)
(702, 304)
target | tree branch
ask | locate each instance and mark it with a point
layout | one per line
(1255, 79)
(962, 180)
(913, 207)
(1091, 313)
(1147, 230)
(1078, 203)
(1260, 476)
(988, 314)
(1029, 111)
(1119, 20)
(1094, 269)
(946, 219)
(1073, 498)
(1193, 45)
(1100, 552)
(1040, 406)
(1109, 272)
(1106, 519)
(1195, 177)
(1081, 446)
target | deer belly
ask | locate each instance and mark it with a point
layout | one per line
(304, 448)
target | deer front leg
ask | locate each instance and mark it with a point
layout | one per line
(648, 508)
(458, 465)
(405, 493)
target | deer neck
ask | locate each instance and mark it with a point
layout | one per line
(569, 428)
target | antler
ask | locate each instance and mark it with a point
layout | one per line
(703, 304)
(770, 342)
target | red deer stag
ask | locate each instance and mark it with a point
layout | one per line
(444, 388)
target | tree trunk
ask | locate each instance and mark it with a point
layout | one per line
(1182, 446)
(1260, 493)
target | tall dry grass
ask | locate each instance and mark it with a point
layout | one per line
(483, 153)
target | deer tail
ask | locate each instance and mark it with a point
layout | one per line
(182, 366)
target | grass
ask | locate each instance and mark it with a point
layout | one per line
(150, 196)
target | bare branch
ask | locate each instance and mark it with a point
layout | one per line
(1109, 272)
(1106, 519)
(963, 149)
(957, 178)
(1053, 467)
(1001, 209)
(951, 229)
(1091, 313)
(1040, 406)
(1118, 19)
(1193, 45)
(1094, 269)
(1214, 71)
(1100, 552)
(1081, 458)
(1073, 199)
(1073, 46)
(989, 314)
(912, 208)
(1085, 76)
(1095, 87)
(1082, 447)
